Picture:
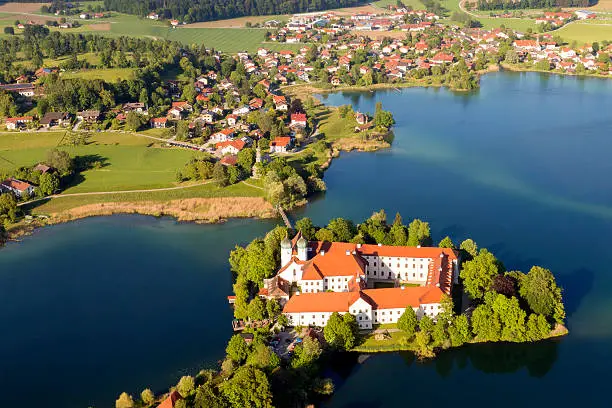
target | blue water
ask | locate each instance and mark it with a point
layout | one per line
(103, 305)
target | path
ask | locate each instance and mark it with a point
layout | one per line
(284, 216)
(150, 190)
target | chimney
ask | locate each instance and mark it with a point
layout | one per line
(358, 245)
(438, 285)
(440, 269)
(418, 246)
(402, 287)
(348, 252)
(441, 254)
(354, 253)
(322, 253)
(379, 244)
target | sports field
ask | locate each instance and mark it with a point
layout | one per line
(127, 162)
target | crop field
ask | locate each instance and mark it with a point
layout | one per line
(126, 162)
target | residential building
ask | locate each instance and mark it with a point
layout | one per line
(281, 144)
(21, 89)
(158, 123)
(17, 187)
(18, 122)
(51, 119)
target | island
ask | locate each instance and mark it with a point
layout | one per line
(305, 294)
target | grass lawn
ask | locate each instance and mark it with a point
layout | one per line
(397, 341)
(128, 162)
(106, 74)
(584, 32)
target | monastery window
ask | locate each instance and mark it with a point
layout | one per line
(322, 316)
(414, 275)
(398, 265)
(421, 266)
(374, 263)
(398, 312)
(382, 264)
(313, 316)
(413, 266)
(383, 312)
(421, 275)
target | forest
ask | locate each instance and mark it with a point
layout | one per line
(531, 4)
(191, 11)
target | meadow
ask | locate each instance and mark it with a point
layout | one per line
(119, 161)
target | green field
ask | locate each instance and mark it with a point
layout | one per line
(583, 32)
(107, 74)
(128, 162)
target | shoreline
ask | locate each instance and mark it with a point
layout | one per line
(558, 332)
(312, 88)
(197, 210)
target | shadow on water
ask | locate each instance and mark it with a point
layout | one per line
(490, 358)
(576, 286)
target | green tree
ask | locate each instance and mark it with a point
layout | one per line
(249, 387)
(398, 233)
(408, 322)
(8, 207)
(383, 118)
(418, 233)
(246, 159)
(125, 400)
(307, 228)
(486, 324)
(540, 290)
(220, 174)
(257, 310)
(133, 121)
(469, 247)
(186, 386)
(511, 56)
(324, 235)
(60, 160)
(478, 274)
(426, 324)
(537, 327)
(48, 184)
(207, 397)
(147, 397)
(446, 243)
(340, 331)
(440, 335)
(306, 353)
(459, 331)
(263, 357)
(9, 30)
(511, 317)
(343, 230)
(273, 308)
(237, 349)
(423, 342)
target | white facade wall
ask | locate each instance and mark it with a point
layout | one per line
(412, 270)
(293, 273)
(311, 286)
(362, 311)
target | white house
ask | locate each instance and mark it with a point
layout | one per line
(17, 187)
(281, 144)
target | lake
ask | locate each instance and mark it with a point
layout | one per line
(99, 306)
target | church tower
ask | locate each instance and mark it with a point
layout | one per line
(285, 251)
(302, 249)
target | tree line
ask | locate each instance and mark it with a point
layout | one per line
(191, 11)
(531, 4)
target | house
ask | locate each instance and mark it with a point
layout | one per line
(442, 58)
(298, 120)
(256, 103)
(208, 116)
(177, 112)
(230, 146)
(89, 116)
(222, 136)
(361, 118)
(174, 23)
(281, 144)
(137, 107)
(335, 81)
(153, 16)
(171, 400)
(43, 168)
(229, 160)
(21, 89)
(231, 119)
(333, 277)
(158, 123)
(280, 102)
(17, 187)
(18, 122)
(43, 72)
(51, 119)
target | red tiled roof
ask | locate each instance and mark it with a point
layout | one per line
(281, 141)
(16, 184)
(171, 400)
